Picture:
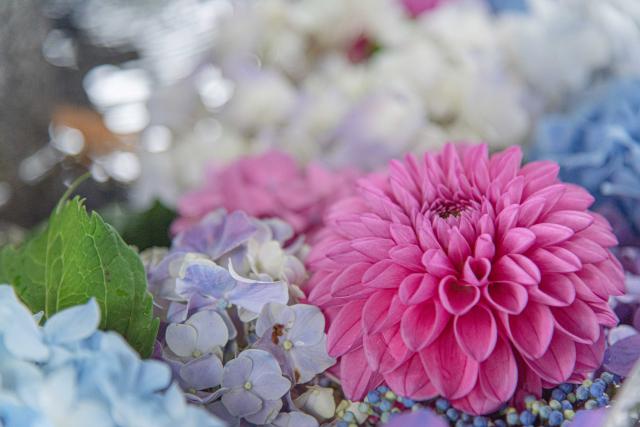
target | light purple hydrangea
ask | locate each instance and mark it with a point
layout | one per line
(297, 335)
(253, 387)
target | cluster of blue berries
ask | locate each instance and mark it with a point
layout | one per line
(556, 408)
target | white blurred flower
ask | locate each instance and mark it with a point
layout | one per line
(318, 402)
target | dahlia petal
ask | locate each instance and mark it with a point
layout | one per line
(437, 263)
(476, 271)
(555, 260)
(458, 248)
(602, 236)
(375, 311)
(417, 287)
(343, 253)
(356, 376)
(551, 195)
(403, 234)
(589, 356)
(485, 248)
(613, 269)
(421, 324)
(574, 197)
(507, 219)
(554, 290)
(603, 312)
(597, 281)
(505, 165)
(498, 375)
(451, 371)
(531, 331)
(349, 282)
(344, 331)
(486, 225)
(375, 350)
(516, 268)
(373, 247)
(575, 220)
(578, 321)
(376, 225)
(548, 234)
(411, 380)
(530, 211)
(352, 229)
(538, 175)
(582, 290)
(477, 402)
(408, 256)
(557, 363)
(517, 240)
(384, 274)
(476, 332)
(396, 347)
(457, 298)
(586, 250)
(508, 297)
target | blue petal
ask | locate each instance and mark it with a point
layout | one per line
(73, 324)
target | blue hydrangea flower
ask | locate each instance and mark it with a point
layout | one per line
(69, 374)
(597, 145)
(298, 333)
(253, 387)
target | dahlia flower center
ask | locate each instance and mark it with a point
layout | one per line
(446, 209)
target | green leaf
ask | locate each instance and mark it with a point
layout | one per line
(149, 228)
(79, 256)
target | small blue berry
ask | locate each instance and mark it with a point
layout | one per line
(566, 387)
(383, 389)
(461, 423)
(442, 404)
(555, 405)
(582, 393)
(480, 422)
(385, 405)
(566, 405)
(590, 404)
(596, 390)
(558, 394)
(527, 418)
(555, 418)
(607, 377)
(603, 400)
(545, 411)
(373, 397)
(408, 402)
(617, 379)
(349, 417)
(453, 414)
(342, 424)
(466, 418)
(513, 419)
(500, 423)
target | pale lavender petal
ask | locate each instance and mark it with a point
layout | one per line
(267, 413)
(294, 419)
(420, 418)
(240, 403)
(253, 295)
(271, 386)
(619, 333)
(237, 372)
(592, 418)
(262, 362)
(308, 328)
(311, 360)
(181, 339)
(202, 373)
(217, 234)
(205, 278)
(211, 330)
(272, 314)
(620, 357)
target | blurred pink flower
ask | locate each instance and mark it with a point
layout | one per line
(465, 276)
(268, 185)
(418, 7)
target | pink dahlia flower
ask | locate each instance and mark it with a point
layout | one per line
(268, 185)
(465, 276)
